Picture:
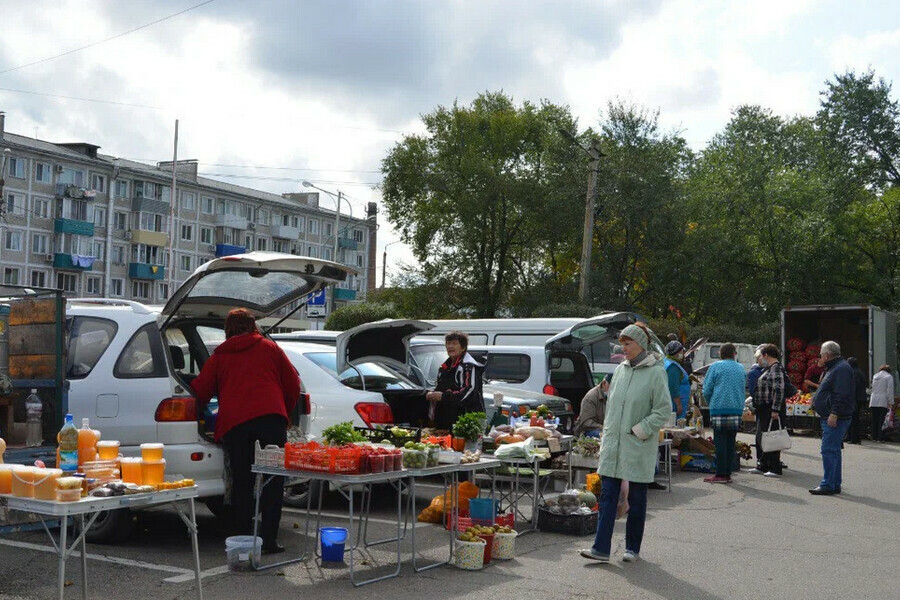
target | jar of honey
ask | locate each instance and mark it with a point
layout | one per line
(153, 471)
(108, 449)
(45, 484)
(131, 469)
(23, 481)
(6, 477)
(152, 452)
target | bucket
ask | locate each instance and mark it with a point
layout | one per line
(238, 549)
(469, 555)
(333, 539)
(488, 546)
(504, 546)
(483, 509)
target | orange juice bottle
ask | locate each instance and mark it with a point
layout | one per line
(87, 443)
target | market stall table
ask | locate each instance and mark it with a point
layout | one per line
(88, 509)
(265, 474)
(517, 492)
(590, 463)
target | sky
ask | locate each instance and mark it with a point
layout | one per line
(274, 92)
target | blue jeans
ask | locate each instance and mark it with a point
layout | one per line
(637, 514)
(831, 453)
(593, 433)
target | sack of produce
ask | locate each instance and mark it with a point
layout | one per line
(795, 344)
(538, 433)
(812, 351)
(516, 450)
(797, 356)
(797, 366)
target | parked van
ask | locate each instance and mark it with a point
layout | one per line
(501, 332)
(708, 353)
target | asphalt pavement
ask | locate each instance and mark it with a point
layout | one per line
(756, 538)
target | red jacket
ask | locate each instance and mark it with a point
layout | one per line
(252, 377)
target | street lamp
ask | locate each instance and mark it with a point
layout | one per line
(595, 155)
(384, 260)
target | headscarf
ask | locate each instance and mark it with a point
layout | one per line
(637, 334)
(673, 348)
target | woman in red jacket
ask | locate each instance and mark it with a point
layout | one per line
(257, 387)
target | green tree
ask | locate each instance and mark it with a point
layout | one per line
(485, 198)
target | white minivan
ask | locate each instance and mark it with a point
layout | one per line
(129, 367)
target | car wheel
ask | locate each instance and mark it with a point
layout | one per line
(217, 506)
(297, 495)
(110, 527)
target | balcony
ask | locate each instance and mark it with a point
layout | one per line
(233, 221)
(347, 243)
(150, 238)
(341, 294)
(67, 190)
(145, 271)
(74, 262)
(285, 232)
(73, 226)
(228, 250)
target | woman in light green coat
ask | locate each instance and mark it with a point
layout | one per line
(639, 405)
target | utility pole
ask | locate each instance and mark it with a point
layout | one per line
(172, 200)
(587, 240)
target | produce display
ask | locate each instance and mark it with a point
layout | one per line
(572, 502)
(342, 434)
(473, 533)
(470, 457)
(348, 459)
(800, 406)
(470, 426)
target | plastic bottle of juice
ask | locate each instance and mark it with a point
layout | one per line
(87, 443)
(68, 446)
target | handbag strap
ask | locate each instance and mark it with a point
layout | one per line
(771, 421)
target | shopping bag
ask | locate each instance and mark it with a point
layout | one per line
(775, 441)
(888, 423)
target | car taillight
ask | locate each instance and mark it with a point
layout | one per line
(373, 413)
(179, 408)
(549, 389)
(305, 404)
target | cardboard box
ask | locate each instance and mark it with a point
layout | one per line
(702, 446)
(697, 461)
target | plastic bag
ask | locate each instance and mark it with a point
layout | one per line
(888, 423)
(622, 507)
(517, 450)
(568, 502)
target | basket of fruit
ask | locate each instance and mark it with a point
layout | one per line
(414, 458)
(470, 552)
(504, 547)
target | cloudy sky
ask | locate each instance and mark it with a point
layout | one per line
(272, 92)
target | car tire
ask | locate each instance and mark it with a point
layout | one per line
(297, 495)
(217, 506)
(110, 527)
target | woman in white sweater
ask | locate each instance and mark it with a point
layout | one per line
(881, 400)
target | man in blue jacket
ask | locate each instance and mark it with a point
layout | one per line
(834, 403)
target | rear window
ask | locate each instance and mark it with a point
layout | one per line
(89, 337)
(143, 355)
(508, 368)
(371, 377)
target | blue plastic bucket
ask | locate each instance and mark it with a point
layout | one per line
(333, 539)
(483, 509)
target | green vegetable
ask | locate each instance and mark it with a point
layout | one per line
(342, 433)
(470, 425)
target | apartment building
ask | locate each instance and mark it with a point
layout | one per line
(96, 225)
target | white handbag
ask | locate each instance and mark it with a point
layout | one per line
(775, 441)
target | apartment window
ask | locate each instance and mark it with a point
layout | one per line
(74, 244)
(326, 253)
(39, 279)
(71, 177)
(43, 173)
(262, 244)
(11, 275)
(165, 193)
(312, 252)
(77, 209)
(207, 205)
(140, 289)
(40, 207)
(280, 246)
(39, 243)
(359, 236)
(118, 255)
(145, 189)
(120, 220)
(148, 255)
(116, 287)
(67, 282)
(248, 241)
(163, 291)
(221, 208)
(93, 286)
(206, 235)
(13, 241)
(329, 229)
(359, 260)
(15, 204)
(187, 232)
(300, 221)
(98, 183)
(99, 217)
(99, 250)
(263, 216)
(152, 222)
(188, 201)
(314, 226)
(16, 167)
(121, 188)
(185, 263)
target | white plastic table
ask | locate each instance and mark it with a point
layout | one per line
(266, 474)
(88, 509)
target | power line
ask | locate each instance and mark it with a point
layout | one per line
(109, 39)
(97, 100)
(267, 167)
(290, 179)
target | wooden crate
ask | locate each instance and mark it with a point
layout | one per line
(32, 338)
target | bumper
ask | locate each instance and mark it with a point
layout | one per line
(208, 472)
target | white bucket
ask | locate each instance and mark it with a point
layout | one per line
(238, 549)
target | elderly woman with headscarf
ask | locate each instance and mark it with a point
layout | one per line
(638, 406)
(257, 387)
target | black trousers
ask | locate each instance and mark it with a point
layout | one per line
(853, 432)
(767, 461)
(239, 444)
(878, 415)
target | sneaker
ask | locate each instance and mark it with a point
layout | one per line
(756, 471)
(771, 474)
(656, 486)
(630, 556)
(717, 479)
(591, 554)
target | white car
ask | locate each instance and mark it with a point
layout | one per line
(129, 367)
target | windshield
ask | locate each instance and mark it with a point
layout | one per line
(429, 358)
(364, 376)
(265, 291)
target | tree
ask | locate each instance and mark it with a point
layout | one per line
(485, 198)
